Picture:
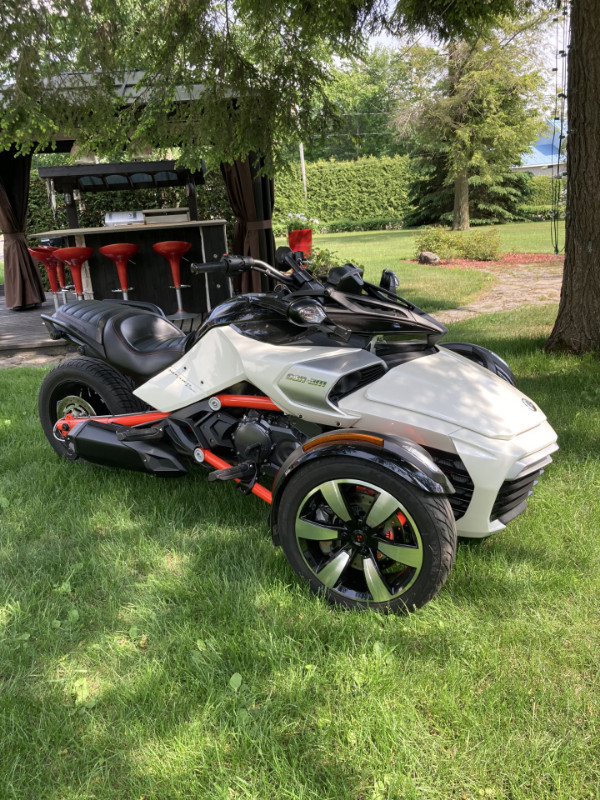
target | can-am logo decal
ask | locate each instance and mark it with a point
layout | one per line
(186, 383)
(529, 404)
(292, 376)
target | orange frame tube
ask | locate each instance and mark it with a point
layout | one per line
(227, 401)
(121, 419)
(247, 401)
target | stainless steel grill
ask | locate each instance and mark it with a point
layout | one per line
(117, 219)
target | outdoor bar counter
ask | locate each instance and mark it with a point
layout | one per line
(149, 273)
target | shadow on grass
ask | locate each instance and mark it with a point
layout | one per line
(129, 602)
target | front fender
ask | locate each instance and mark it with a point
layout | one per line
(404, 458)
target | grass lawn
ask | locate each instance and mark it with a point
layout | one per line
(530, 237)
(128, 603)
(433, 288)
(1, 271)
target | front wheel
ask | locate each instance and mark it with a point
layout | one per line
(363, 537)
(83, 387)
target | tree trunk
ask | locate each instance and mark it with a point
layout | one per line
(577, 327)
(460, 219)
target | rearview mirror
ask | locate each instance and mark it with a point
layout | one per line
(389, 281)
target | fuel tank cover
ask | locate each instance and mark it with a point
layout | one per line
(453, 389)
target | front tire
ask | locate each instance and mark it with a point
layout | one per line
(83, 387)
(363, 537)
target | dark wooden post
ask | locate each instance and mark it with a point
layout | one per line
(72, 217)
(192, 199)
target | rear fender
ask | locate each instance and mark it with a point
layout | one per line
(404, 458)
(84, 347)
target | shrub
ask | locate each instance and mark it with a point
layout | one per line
(541, 213)
(441, 241)
(322, 260)
(481, 245)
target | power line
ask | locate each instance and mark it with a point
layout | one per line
(563, 29)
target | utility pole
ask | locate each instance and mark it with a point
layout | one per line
(303, 170)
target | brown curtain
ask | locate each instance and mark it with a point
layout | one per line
(251, 198)
(22, 285)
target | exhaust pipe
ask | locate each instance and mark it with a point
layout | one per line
(98, 442)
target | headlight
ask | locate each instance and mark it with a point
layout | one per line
(306, 312)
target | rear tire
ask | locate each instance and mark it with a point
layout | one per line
(363, 537)
(83, 387)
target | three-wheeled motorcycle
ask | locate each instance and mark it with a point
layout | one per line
(334, 400)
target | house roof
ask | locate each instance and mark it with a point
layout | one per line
(544, 152)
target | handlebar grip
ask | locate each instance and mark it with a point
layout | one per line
(233, 265)
(210, 266)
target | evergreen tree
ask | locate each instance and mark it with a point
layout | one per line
(494, 199)
(482, 114)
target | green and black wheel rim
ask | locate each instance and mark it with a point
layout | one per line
(359, 540)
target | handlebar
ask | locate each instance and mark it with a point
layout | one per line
(235, 265)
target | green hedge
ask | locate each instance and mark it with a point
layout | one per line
(370, 191)
(367, 194)
(543, 187)
(370, 188)
(376, 224)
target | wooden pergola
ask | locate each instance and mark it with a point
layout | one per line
(250, 196)
(116, 177)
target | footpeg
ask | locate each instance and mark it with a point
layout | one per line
(140, 434)
(242, 472)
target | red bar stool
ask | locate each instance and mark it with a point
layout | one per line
(173, 251)
(74, 257)
(44, 254)
(120, 254)
(62, 280)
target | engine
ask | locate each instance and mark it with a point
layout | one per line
(267, 439)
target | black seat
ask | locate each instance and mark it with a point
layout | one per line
(138, 338)
(142, 344)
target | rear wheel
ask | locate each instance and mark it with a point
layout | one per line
(364, 537)
(83, 387)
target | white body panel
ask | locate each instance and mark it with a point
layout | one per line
(224, 357)
(442, 401)
(447, 402)
(449, 388)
